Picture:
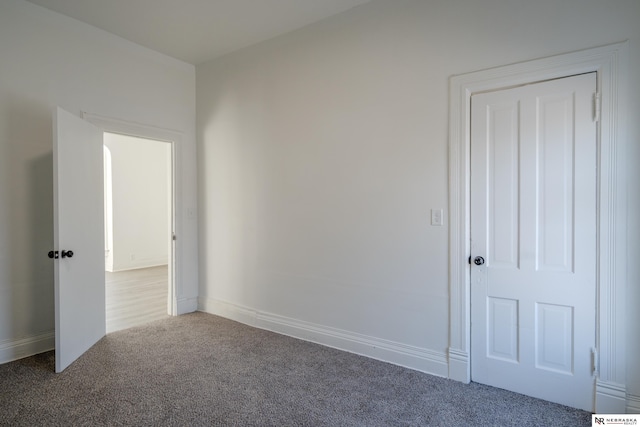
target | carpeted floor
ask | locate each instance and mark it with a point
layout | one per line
(203, 370)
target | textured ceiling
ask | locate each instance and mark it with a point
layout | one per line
(196, 31)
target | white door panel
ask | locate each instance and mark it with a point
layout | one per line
(533, 221)
(79, 227)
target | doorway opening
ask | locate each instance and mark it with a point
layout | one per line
(138, 195)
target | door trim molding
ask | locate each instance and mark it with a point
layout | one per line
(610, 64)
(123, 127)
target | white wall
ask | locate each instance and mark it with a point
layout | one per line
(140, 209)
(49, 60)
(322, 152)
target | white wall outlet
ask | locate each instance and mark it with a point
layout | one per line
(437, 217)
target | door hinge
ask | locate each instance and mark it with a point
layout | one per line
(596, 107)
(594, 362)
(173, 236)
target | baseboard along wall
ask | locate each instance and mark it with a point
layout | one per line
(633, 404)
(11, 350)
(424, 360)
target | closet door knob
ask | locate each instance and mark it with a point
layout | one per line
(67, 254)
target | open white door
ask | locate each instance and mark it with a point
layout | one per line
(78, 217)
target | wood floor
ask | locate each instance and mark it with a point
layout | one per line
(135, 297)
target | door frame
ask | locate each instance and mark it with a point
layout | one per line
(610, 64)
(111, 125)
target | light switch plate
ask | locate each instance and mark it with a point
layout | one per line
(437, 217)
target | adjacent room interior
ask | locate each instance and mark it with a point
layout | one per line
(138, 230)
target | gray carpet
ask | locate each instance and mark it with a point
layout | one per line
(203, 370)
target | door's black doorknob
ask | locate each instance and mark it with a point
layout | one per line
(67, 254)
(53, 254)
(477, 260)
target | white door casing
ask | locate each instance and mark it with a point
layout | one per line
(78, 227)
(610, 63)
(533, 231)
(176, 302)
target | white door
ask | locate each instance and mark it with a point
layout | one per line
(78, 227)
(533, 224)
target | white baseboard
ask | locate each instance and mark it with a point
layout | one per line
(229, 311)
(138, 264)
(428, 361)
(186, 305)
(633, 404)
(611, 398)
(11, 350)
(459, 366)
